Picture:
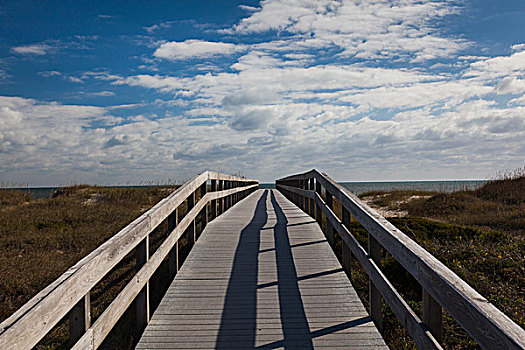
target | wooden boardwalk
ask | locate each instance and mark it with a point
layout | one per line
(261, 275)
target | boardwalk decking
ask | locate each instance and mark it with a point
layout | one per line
(261, 275)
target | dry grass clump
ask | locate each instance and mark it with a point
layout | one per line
(478, 234)
(41, 239)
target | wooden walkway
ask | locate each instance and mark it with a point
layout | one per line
(261, 275)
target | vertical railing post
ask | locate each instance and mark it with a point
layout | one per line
(79, 319)
(433, 316)
(345, 253)
(227, 198)
(306, 200)
(142, 300)
(312, 201)
(301, 198)
(213, 202)
(329, 227)
(221, 200)
(173, 256)
(204, 211)
(319, 213)
(374, 251)
(191, 227)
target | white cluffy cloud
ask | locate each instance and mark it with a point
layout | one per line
(192, 49)
(367, 29)
(33, 49)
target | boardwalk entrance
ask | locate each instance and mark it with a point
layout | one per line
(262, 275)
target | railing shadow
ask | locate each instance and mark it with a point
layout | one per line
(294, 323)
(238, 326)
(238, 321)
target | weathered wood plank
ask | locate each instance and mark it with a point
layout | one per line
(410, 321)
(37, 317)
(483, 321)
(232, 281)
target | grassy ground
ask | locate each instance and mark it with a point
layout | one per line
(479, 234)
(40, 239)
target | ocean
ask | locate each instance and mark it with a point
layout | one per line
(356, 187)
(439, 186)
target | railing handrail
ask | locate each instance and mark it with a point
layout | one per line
(490, 327)
(38, 316)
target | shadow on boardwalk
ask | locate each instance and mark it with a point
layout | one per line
(238, 323)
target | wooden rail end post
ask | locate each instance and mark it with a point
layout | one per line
(79, 319)
(213, 202)
(173, 257)
(346, 253)
(433, 316)
(329, 227)
(142, 299)
(204, 211)
(374, 251)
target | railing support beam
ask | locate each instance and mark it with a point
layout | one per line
(173, 257)
(213, 202)
(142, 300)
(346, 253)
(374, 251)
(329, 227)
(433, 316)
(79, 319)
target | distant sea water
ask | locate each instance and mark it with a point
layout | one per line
(439, 186)
(356, 187)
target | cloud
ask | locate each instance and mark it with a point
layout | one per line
(518, 47)
(191, 49)
(248, 8)
(157, 27)
(49, 73)
(368, 29)
(500, 66)
(33, 49)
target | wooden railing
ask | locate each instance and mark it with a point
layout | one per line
(489, 327)
(69, 294)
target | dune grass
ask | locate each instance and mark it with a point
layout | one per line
(478, 234)
(40, 239)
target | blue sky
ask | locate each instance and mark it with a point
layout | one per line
(116, 92)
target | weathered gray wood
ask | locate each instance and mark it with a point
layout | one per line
(329, 227)
(142, 300)
(30, 323)
(204, 212)
(374, 297)
(318, 213)
(213, 202)
(408, 319)
(116, 309)
(261, 274)
(191, 229)
(221, 200)
(173, 257)
(312, 200)
(346, 254)
(484, 322)
(79, 319)
(433, 316)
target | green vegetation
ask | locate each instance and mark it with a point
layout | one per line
(41, 239)
(478, 234)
